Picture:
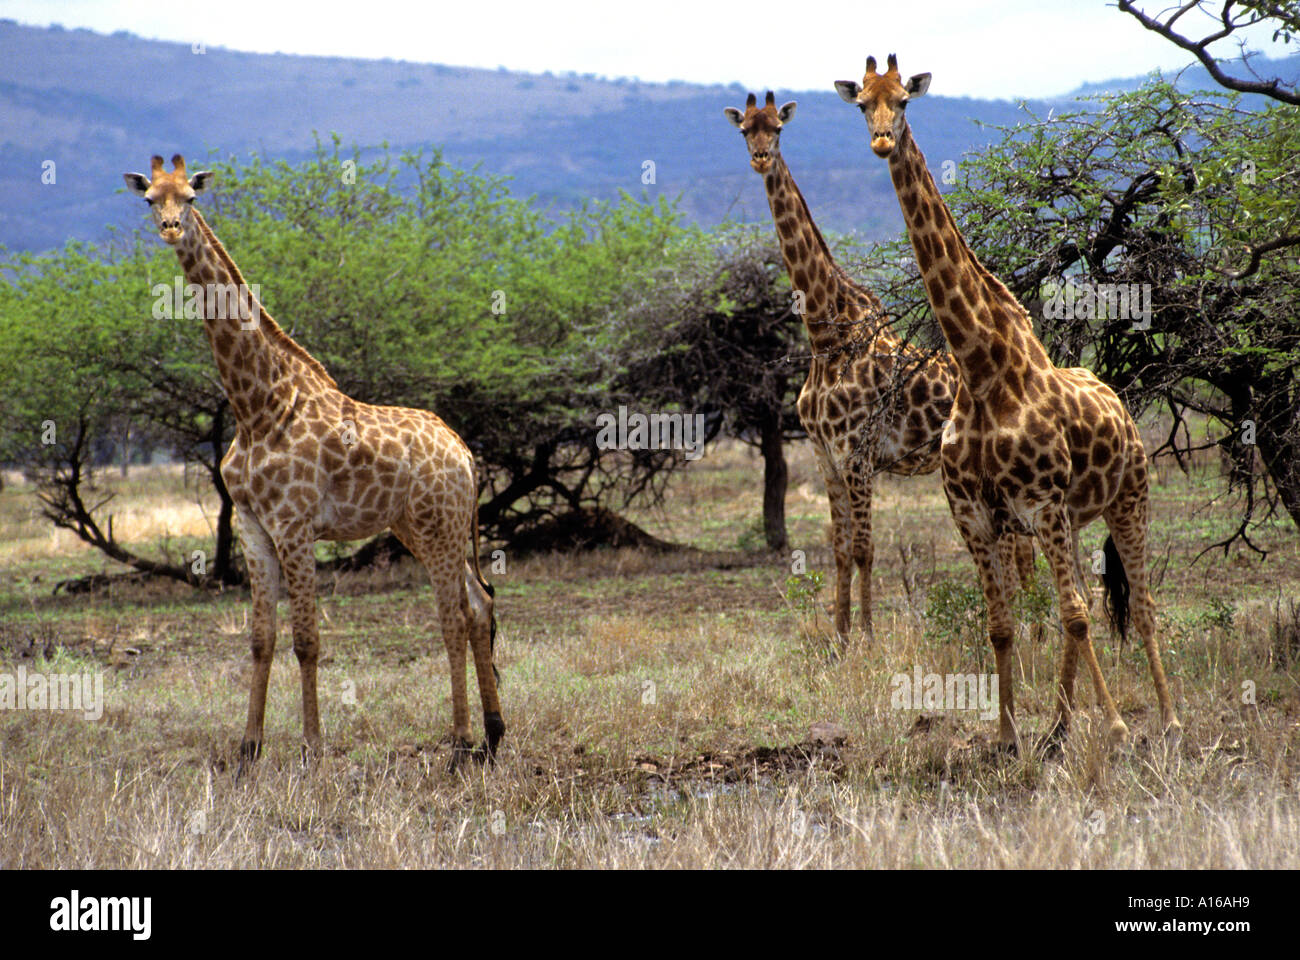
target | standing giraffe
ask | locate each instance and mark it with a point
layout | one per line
(309, 463)
(858, 423)
(1031, 447)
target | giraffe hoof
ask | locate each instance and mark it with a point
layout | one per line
(1117, 735)
(249, 751)
(461, 750)
(1006, 748)
(309, 754)
(494, 729)
(1050, 745)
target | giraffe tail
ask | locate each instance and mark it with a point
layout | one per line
(1115, 582)
(488, 589)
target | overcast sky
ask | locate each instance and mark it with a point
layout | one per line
(1011, 48)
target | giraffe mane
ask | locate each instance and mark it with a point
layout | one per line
(841, 275)
(273, 330)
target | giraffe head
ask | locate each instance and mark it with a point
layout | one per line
(882, 98)
(761, 129)
(169, 195)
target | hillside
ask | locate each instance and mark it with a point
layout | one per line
(100, 105)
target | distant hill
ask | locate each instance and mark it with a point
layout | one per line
(1196, 77)
(101, 105)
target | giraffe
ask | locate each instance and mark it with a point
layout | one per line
(1030, 447)
(856, 361)
(309, 463)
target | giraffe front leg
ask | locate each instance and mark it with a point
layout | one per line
(863, 547)
(298, 563)
(841, 546)
(264, 579)
(986, 552)
(1056, 538)
(1024, 559)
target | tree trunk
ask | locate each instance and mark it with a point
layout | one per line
(1277, 438)
(776, 477)
(223, 566)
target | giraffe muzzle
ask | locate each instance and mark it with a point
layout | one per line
(882, 144)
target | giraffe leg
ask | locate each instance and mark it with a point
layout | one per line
(1024, 556)
(476, 608)
(1022, 561)
(455, 632)
(1008, 562)
(1069, 668)
(1056, 538)
(863, 547)
(1126, 519)
(264, 578)
(298, 563)
(986, 551)
(841, 544)
(1081, 577)
(1001, 637)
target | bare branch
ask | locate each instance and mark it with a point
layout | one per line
(1199, 48)
(1256, 255)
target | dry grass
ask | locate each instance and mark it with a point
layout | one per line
(660, 712)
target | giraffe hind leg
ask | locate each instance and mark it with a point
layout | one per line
(477, 608)
(1022, 551)
(1128, 531)
(1056, 540)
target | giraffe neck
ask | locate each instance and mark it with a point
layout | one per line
(985, 325)
(808, 261)
(263, 371)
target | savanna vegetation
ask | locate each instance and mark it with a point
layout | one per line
(665, 707)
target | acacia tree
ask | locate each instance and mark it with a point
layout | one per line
(730, 350)
(416, 284)
(80, 356)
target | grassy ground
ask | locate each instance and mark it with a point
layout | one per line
(662, 711)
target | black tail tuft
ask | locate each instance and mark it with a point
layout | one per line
(1115, 582)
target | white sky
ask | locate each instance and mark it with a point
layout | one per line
(1002, 48)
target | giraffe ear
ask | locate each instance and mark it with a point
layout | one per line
(917, 86)
(848, 90)
(199, 182)
(786, 112)
(733, 115)
(138, 183)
